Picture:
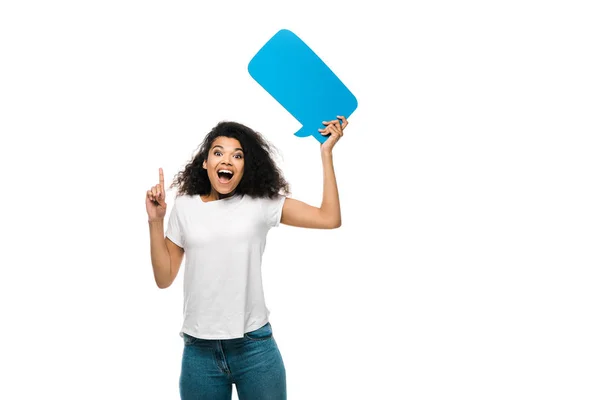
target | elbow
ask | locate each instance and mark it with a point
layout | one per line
(163, 284)
(334, 224)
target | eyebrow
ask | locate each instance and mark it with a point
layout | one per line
(218, 145)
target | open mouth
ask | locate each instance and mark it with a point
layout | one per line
(224, 175)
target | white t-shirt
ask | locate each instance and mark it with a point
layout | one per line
(223, 242)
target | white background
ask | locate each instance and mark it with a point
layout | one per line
(467, 263)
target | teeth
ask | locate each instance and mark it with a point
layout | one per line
(226, 171)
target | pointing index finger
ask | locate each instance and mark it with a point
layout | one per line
(161, 178)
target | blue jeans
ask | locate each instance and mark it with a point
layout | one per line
(253, 363)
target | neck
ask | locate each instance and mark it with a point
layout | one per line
(214, 195)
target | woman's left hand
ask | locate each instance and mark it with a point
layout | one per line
(335, 130)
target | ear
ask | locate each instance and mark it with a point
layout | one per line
(204, 164)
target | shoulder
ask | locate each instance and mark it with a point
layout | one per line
(182, 199)
(182, 202)
(264, 204)
(270, 201)
(271, 208)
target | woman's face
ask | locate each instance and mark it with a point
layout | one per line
(225, 164)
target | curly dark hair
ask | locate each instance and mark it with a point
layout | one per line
(262, 177)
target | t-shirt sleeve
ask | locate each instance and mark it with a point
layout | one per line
(174, 231)
(273, 209)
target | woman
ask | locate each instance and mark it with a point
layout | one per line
(229, 196)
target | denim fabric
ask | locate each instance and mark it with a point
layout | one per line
(253, 363)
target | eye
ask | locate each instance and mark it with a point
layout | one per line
(217, 153)
(239, 156)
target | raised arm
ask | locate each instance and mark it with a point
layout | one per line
(328, 216)
(166, 256)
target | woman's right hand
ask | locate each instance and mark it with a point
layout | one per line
(155, 199)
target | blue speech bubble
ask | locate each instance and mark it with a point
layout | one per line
(301, 82)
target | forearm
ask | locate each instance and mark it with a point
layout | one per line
(159, 254)
(330, 206)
